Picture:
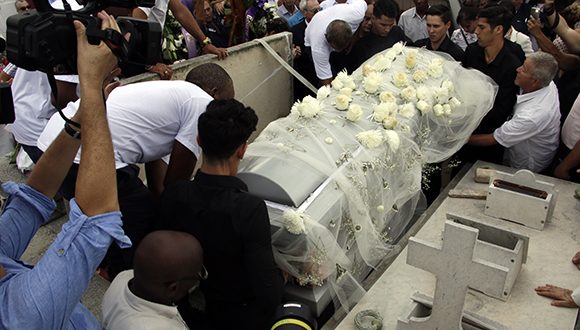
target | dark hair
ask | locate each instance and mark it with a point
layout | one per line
(338, 34)
(209, 76)
(467, 14)
(276, 25)
(387, 8)
(441, 11)
(497, 16)
(223, 127)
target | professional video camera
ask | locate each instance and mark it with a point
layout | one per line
(44, 39)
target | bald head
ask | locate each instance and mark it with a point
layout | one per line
(166, 265)
(338, 34)
(213, 79)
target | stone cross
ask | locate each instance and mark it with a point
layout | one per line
(456, 269)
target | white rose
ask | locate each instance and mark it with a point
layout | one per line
(391, 54)
(387, 97)
(423, 106)
(342, 102)
(294, 222)
(367, 69)
(390, 122)
(411, 59)
(407, 110)
(398, 47)
(442, 95)
(446, 109)
(383, 110)
(449, 85)
(400, 79)
(372, 82)
(328, 140)
(423, 93)
(337, 84)
(420, 76)
(383, 63)
(438, 110)
(435, 68)
(393, 140)
(354, 113)
(370, 139)
(323, 92)
(346, 91)
(408, 93)
(349, 83)
(308, 108)
(454, 102)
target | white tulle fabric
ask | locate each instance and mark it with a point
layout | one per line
(372, 180)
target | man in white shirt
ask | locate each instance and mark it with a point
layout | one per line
(167, 265)
(413, 22)
(287, 9)
(331, 30)
(149, 121)
(531, 136)
(329, 3)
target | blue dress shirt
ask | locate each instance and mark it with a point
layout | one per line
(48, 295)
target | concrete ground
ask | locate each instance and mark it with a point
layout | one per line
(45, 236)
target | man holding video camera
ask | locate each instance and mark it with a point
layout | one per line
(47, 296)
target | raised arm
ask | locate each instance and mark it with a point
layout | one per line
(570, 36)
(565, 61)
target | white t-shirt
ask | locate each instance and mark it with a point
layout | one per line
(31, 93)
(329, 3)
(123, 310)
(571, 128)
(314, 36)
(145, 119)
(157, 13)
(532, 135)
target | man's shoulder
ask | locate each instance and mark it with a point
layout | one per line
(422, 42)
(408, 13)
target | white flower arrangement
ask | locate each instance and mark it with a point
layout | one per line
(387, 97)
(408, 94)
(323, 92)
(337, 84)
(449, 85)
(343, 80)
(367, 69)
(454, 102)
(424, 106)
(372, 82)
(393, 140)
(346, 91)
(354, 113)
(423, 93)
(398, 48)
(342, 102)
(400, 79)
(407, 110)
(383, 110)
(294, 221)
(390, 122)
(308, 108)
(438, 110)
(446, 109)
(419, 76)
(382, 63)
(370, 139)
(435, 68)
(411, 59)
(441, 95)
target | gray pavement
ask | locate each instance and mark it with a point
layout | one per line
(45, 236)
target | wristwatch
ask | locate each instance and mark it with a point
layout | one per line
(205, 42)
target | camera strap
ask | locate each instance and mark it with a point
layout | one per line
(54, 89)
(113, 39)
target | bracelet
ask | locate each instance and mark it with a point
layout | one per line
(549, 11)
(71, 131)
(556, 21)
(205, 42)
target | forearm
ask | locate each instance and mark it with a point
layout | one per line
(571, 161)
(570, 36)
(186, 19)
(566, 62)
(482, 140)
(155, 172)
(96, 180)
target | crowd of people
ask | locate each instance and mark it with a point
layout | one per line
(160, 254)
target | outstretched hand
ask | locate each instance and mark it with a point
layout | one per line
(576, 260)
(561, 297)
(220, 52)
(534, 26)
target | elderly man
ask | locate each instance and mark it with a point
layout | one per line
(438, 24)
(531, 136)
(151, 120)
(412, 20)
(167, 265)
(47, 296)
(331, 30)
(231, 224)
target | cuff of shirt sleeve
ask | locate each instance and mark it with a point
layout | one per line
(576, 296)
(497, 135)
(44, 205)
(108, 223)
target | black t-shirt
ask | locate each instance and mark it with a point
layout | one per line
(244, 285)
(447, 46)
(371, 44)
